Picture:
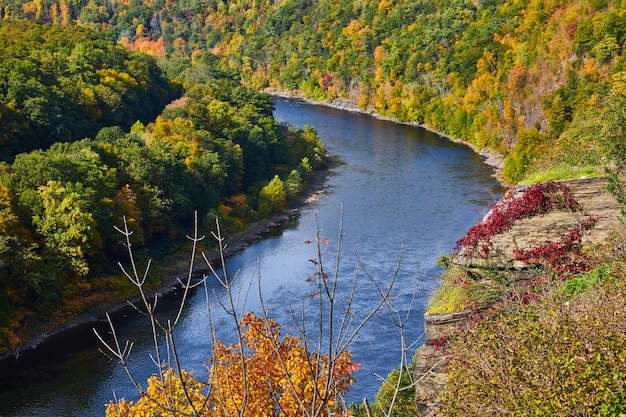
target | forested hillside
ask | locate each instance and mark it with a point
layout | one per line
(66, 84)
(149, 110)
(105, 146)
(507, 75)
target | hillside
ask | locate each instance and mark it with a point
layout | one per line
(94, 137)
(540, 82)
(522, 309)
(508, 75)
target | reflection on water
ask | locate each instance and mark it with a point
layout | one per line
(398, 185)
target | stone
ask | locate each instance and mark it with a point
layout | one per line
(592, 195)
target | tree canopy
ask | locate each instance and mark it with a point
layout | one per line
(65, 84)
(491, 73)
(93, 134)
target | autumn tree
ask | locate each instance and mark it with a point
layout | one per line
(70, 230)
(276, 376)
(169, 394)
(273, 197)
(264, 372)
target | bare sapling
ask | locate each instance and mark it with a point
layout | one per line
(263, 372)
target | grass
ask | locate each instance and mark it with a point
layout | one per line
(459, 291)
(562, 173)
(581, 282)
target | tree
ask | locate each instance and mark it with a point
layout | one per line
(125, 207)
(293, 184)
(529, 144)
(293, 385)
(64, 84)
(264, 372)
(612, 134)
(605, 125)
(70, 231)
(19, 261)
(273, 196)
(169, 394)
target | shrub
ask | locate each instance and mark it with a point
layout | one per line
(396, 397)
(553, 357)
(581, 282)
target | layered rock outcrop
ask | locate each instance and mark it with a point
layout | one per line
(594, 201)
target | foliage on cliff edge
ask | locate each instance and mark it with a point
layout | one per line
(562, 354)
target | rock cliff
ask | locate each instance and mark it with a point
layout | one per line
(593, 200)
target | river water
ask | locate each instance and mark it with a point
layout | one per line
(399, 186)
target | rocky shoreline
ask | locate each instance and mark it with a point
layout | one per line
(492, 159)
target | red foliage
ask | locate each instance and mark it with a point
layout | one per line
(439, 344)
(326, 81)
(563, 256)
(532, 201)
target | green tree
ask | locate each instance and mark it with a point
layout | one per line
(612, 134)
(604, 127)
(69, 230)
(20, 263)
(529, 144)
(396, 397)
(273, 197)
(293, 184)
(65, 84)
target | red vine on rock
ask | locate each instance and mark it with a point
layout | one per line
(558, 255)
(532, 201)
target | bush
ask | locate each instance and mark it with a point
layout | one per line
(554, 357)
(397, 397)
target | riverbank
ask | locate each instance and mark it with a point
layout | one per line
(175, 267)
(492, 159)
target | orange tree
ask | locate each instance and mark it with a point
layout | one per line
(262, 373)
(278, 374)
(269, 375)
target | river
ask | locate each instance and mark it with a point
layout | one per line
(399, 186)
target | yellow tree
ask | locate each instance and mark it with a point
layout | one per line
(70, 230)
(266, 375)
(278, 375)
(273, 196)
(263, 373)
(166, 395)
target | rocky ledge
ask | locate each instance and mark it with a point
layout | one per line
(525, 233)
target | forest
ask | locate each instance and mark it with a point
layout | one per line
(150, 109)
(94, 134)
(510, 76)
